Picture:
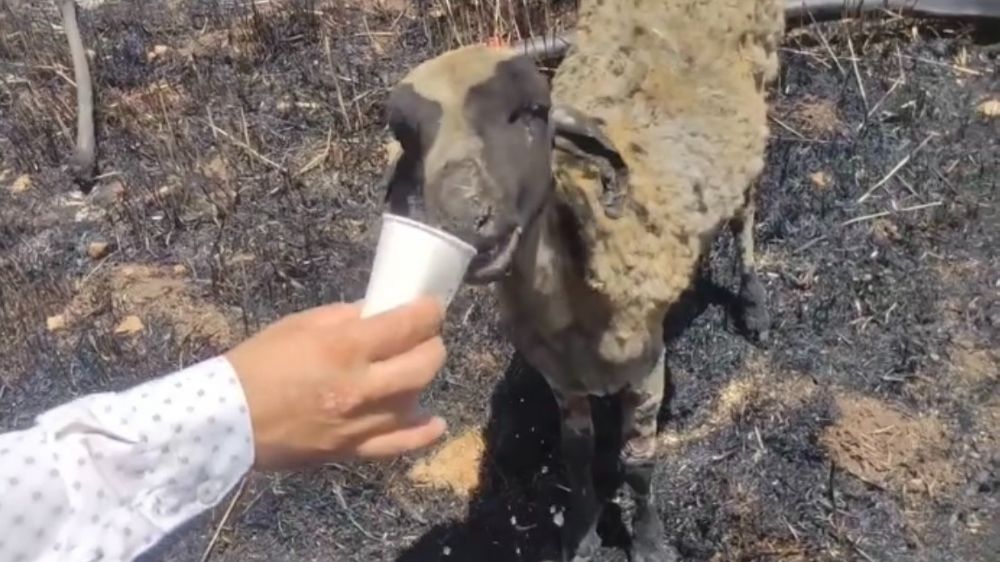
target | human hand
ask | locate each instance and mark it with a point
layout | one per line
(324, 384)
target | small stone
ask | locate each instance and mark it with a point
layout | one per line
(217, 168)
(130, 325)
(158, 51)
(392, 149)
(939, 47)
(21, 184)
(983, 477)
(106, 193)
(98, 250)
(990, 108)
(55, 323)
(820, 180)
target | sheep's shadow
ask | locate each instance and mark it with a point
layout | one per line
(515, 512)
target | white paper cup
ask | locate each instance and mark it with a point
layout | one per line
(414, 260)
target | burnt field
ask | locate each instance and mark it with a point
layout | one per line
(240, 148)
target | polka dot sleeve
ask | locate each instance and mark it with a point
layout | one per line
(104, 477)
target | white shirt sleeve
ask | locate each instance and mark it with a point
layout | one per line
(106, 476)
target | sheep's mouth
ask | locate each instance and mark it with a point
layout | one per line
(494, 258)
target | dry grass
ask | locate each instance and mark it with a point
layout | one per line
(454, 466)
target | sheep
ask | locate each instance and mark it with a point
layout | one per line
(592, 201)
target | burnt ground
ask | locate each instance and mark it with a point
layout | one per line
(240, 150)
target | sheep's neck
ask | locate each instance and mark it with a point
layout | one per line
(548, 295)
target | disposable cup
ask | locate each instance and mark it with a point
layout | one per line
(412, 260)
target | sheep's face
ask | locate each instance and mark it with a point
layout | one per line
(475, 141)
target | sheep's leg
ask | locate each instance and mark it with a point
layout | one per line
(640, 407)
(752, 313)
(579, 530)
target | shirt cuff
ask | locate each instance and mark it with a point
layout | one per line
(164, 450)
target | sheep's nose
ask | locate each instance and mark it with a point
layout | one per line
(485, 224)
(463, 197)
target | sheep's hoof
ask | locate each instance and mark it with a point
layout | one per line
(753, 318)
(585, 551)
(83, 176)
(648, 544)
(662, 553)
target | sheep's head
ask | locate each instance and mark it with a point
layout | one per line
(472, 126)
(476, 131)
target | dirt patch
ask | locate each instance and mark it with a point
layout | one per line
(135, 292)
(755, 394)
(888, 448)
(454, 466)
(815, 116)
(766, 549)
(974, 364)
(150, 105)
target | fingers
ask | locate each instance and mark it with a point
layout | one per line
(420, 434)
(393, 332)
(407, 373)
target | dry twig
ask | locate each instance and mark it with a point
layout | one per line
(250, 150)
(225, 519)
(887, 213)
(857, 74)
(895, 170)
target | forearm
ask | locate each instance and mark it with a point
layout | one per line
(115, 472)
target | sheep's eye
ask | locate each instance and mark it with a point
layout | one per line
(533, 111)
(539, 111)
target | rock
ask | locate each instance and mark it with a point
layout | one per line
(21, 184)
(391, 149)
(130, 325)
(98, 250)
(989, 108)
(217, 168)
(157, 52)
(940, 47)
(107, 193)
(56, 322)
(820, 180)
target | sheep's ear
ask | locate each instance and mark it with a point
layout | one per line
(580, 134)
